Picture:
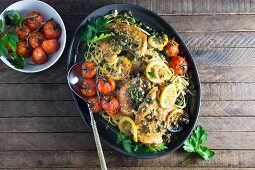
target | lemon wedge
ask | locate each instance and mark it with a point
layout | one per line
(168, 96)
(158, 72)
(127, 126)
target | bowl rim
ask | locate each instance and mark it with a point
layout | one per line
(3, 58)
(76, 98)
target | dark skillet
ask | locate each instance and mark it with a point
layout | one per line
(154, 21)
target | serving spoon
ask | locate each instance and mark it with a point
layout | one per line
(75, 80)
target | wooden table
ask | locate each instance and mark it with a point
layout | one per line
(40, 126)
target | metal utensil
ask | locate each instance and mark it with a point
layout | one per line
(75, 80)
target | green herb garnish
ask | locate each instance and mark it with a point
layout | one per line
(193, 144)
(130, 147)
(94, 31)
(12, 17)
(151, 74)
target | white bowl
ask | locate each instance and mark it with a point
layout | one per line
(47, 12)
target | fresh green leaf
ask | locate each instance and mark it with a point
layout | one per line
(18, 62)
(1, 25)
(205, 152)
(127, 144)
(101, 36)
(12, 17)
(199, 135)
(157, 148)
(193, 144)
(98, 25)
(3, 49)
(11, 39)
(121, 137)
(86, 34)
(151, 74)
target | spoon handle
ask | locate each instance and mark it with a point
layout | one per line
(98, 145)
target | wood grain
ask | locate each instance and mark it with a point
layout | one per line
(76, 124)
(192, 23)
(85, 141)
(174, 7)
(88, 159)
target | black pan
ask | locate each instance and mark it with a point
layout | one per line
(155, 21)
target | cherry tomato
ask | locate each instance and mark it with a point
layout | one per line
(51, 29)
(95, 104)
(172, 48)
(39, 56)
(89, 87)
(106, 86)
(88, 69)
(34, 20)
(24, 49)
(36, 39)
(111, 105)
(179, 65)
(22, 32)
(50, 46)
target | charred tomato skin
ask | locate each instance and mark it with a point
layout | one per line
(50, 46)
(179, 65)
(22, 31)
(34, 20)
(111, 105)
(172, 48)
(36, 39)
(51, 29)
(89, 87)
(88, 69)
(39, 56)
(94, 104)
(24, 49)
(106, 86)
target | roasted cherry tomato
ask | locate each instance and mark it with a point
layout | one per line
(94, 104)
(34, 20)
(172, 48)
(22, 32)
(179, 65)
(24, 49)
(39, 56)
(36, 39)
(50, 46)
(111, 105)
(89, 87)
(88, 69)
(106, 86)
(51, 29)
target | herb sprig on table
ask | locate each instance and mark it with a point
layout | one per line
(193, 144)
(94, 31)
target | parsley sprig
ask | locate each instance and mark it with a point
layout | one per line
(10, 39)
(193, 144)
(130, 146)
(94, 31)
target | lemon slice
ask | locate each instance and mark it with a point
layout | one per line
(158, 72)
(119, 69)
(168, 96)
(127, 126)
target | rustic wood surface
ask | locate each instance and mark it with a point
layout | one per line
(40, 127)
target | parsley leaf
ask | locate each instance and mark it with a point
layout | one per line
(94, 31)
(130, 147)
(18, 62)
(151, 74)
(12, 17)
(193, 144)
